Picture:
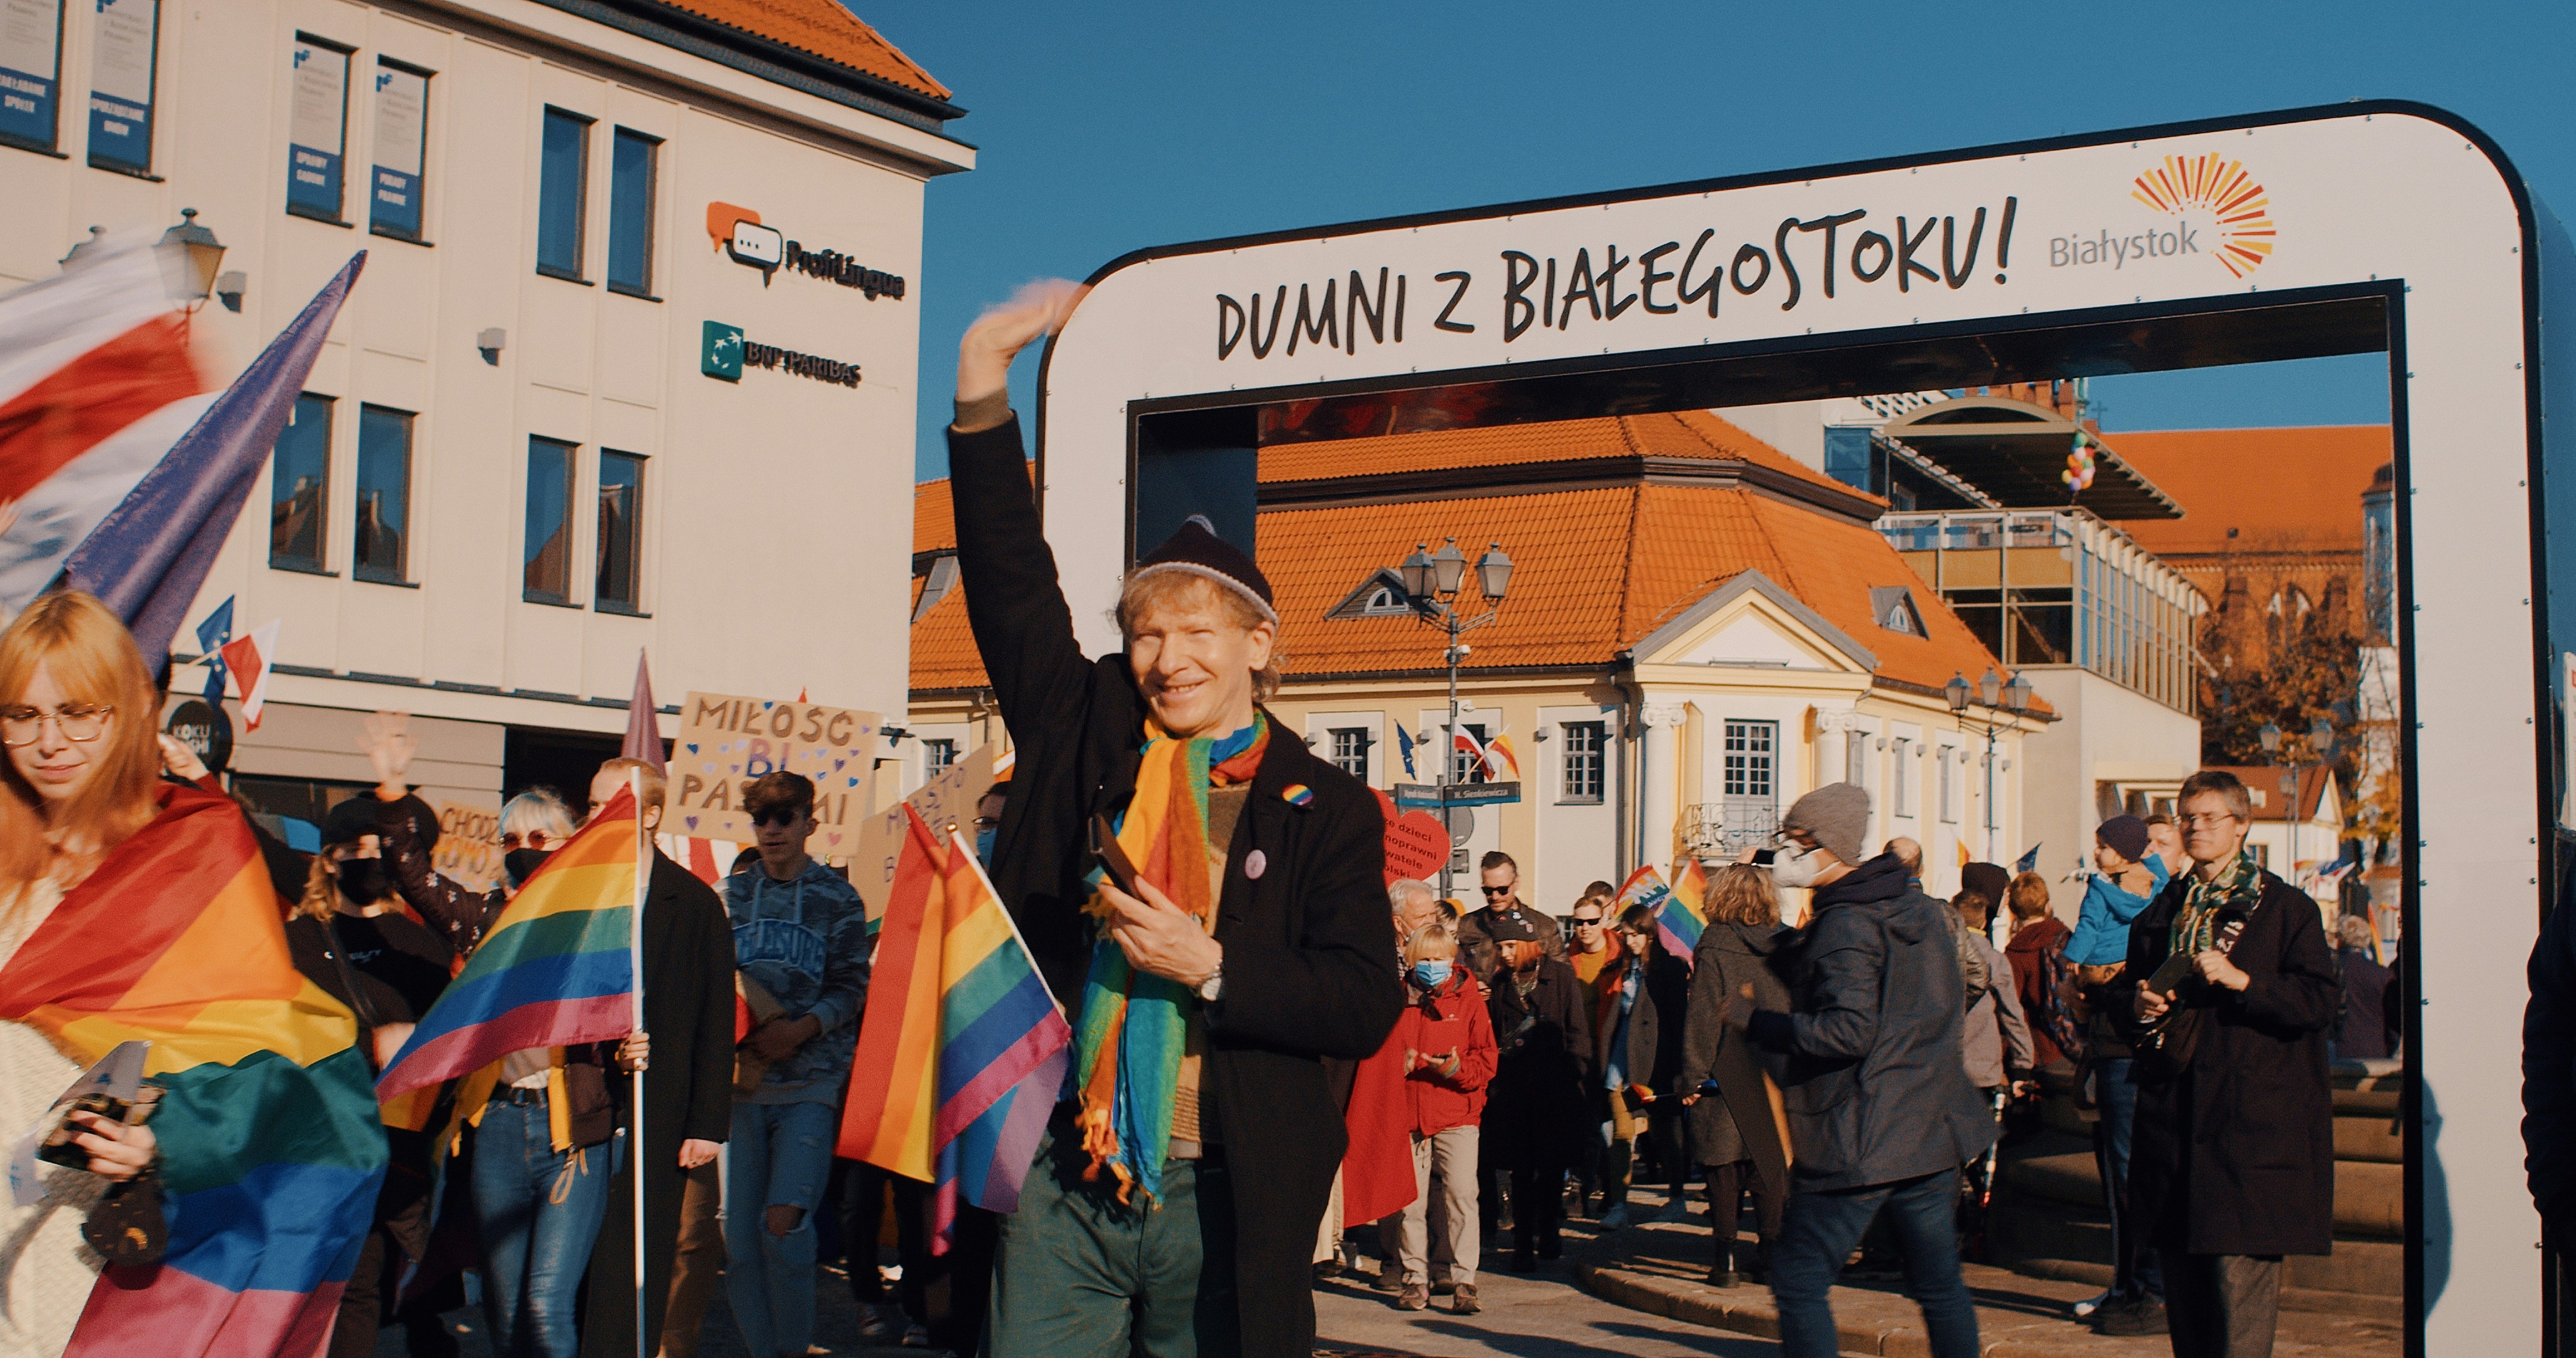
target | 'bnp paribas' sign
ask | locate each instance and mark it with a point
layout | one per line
(723, 353)
(739, 232)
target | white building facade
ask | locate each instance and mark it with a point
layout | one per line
(630, 368)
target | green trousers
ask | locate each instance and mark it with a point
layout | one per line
(1081, 1275)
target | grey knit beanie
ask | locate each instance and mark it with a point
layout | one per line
(1837, 814)
(2126, 836)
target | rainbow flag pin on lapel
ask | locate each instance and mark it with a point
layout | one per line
(1297, 794)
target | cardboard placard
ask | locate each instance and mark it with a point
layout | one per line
(468, 852)
(726, 742)
(949, 797)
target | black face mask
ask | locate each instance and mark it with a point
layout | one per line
(519, 863)
(363, 880)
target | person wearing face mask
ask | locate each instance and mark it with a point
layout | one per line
(1880, 1108)
(1540, 1104)
(1445, 1041)
(351, 935)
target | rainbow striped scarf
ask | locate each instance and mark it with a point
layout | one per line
(1127, 1050)
(270, 1149)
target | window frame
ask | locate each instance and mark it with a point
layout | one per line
(601, 601)
(570, 522)
(358, 569)
(151, 103)
(1733, 782)
(320, 562)
(1576, 757)
(1359, 739)
(618, 138)
(932, 747)
(1901, 788)
(419, 188)
(338, 215)
(1946, 783)
(580, 196)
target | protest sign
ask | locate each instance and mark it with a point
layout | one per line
(469, 845)
(727, 741)
(948, 798)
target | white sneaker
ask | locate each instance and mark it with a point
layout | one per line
(2090, 1305)
(1616, 1219)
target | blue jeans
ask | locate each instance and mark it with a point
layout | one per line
(1821, 1232)
(539, 1210)
(2134, 1271)
(780, 1155)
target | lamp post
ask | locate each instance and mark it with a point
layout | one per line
(1431, 585)
(199, 256)
(1998, 698)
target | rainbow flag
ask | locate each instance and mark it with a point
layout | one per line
(1645, 887)
(962, 1051)
(1684, 912)
(557, 969)
(270, 1151)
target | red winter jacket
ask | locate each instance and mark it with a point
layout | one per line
(1442, 1102)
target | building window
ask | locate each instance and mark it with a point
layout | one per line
(31, 68)
(937, 755)
(631, 166)
(1748, 757)
(1856, 758)
(621, 533)
(1852, 457)
(384, 496)
(125, 43)
(1463, 766)
(317, 129)
(299, 487)
(1350, 751)
(1947, 779)
(402, 148)
(1903, 786)
(1585, 742)
(563, 172)
(546, 571)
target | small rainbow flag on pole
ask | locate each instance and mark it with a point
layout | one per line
(1644, 887)
(270, 1152)
(1684, 913)
(557, 969)
(962, 1051)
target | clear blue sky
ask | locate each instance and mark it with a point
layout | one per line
(1104, 128)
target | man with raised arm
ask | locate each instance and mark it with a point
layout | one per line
(1172, 1207)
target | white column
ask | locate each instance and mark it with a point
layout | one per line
(1659, 797)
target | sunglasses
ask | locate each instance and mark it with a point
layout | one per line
(778, 816)
(1591, 922)
(1498, 891)
(534, 839)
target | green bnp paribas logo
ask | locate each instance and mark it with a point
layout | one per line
(720, 351)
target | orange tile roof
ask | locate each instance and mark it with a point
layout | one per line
(2279, 489)
(943, 650)
(934, 518)
(820, 28)
(1694, 434)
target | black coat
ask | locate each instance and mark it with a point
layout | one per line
(1544, 1104)
(2548, 1060)
(2235, 1155)
(1875, 1089)
(1736, 1124)
(1306, 944)
(688, 1096)
(1654, 1055)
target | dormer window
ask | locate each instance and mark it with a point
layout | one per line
(1892, 607)
(1380, 596)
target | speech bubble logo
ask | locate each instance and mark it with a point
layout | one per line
(720, 220)
(761, 247)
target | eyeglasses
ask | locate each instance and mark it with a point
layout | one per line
(77, 721)
(534, 839)
(1587, 921)
(778, 815)
(1498, 891)
(2187, 822)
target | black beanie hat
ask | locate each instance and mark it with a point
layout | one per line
(2126, 836)
(1197, 549)
(357, 816)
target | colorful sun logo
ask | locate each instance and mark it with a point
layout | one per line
(2222, 188)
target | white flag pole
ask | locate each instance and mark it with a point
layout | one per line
(644, 1345)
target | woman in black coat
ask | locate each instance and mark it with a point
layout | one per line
(1646, 1051)
(1539, 1109)
(1731, 1124)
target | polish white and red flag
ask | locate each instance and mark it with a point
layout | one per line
(247, 659)
(96, 384)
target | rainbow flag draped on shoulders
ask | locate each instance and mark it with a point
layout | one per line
(557, 969)
(962, 1050)
(270, 1150)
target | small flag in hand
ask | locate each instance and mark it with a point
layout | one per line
(248, 659)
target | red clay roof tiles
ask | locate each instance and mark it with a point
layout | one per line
(819, 28)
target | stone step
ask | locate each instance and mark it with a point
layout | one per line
(2370, 1196)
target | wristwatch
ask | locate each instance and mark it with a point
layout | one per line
(1213, 986)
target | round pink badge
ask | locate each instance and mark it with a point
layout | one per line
(1255, 864)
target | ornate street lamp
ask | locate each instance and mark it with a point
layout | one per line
(1431, 582)
(200, 256)
(1997, 697)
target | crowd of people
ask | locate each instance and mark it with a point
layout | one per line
(1847, 1076)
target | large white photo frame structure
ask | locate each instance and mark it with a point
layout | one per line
(2353, 228)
